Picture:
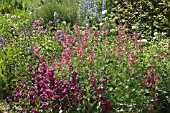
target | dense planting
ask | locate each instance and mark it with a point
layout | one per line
(96, 63)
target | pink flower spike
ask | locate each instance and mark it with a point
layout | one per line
(76, 43)
(145, 81)
(82, 62)
(155, 98)
(107, 42)
(121, 27)
(121, 32)
(150, 84)
(153, 86)
(36, 52)
(118, 54)
(96, 39)
(151, 106)
(108, 50)
(95, 74)
(155, 79)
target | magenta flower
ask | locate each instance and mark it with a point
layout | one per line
(100, 89)
(44, 65)
(74, 73)
(35, 110)
(74, 80)
(155, 79)
(101, 97)
(145, 81)
(57, 97)
(44, 105)
(108, 106)
(151, 106)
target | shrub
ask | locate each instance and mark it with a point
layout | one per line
(66, 9)
(149, 16)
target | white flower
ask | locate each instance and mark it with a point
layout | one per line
(112, 30)
(163, 33)
(155, 34)
(101, 24)
(14, 16)
(7, 15)
(142, 35)
(94, 27)
(134, 27)
(143, 41)
(64, 22)
(61, 111)
(87, 24)
(104, 12)
(30, 13)
(155, 37)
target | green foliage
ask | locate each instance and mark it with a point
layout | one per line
(8, 6)
(5, 8)
(97, 53)
(66, 9)
(149, 16)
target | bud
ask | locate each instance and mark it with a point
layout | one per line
(155, 34)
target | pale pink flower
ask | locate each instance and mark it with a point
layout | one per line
(108, 50)
(145, 81)
(36, 52)
(153, 86)
(118, 53)
(149, 72)
(95, 74)
(119, 40)
(107, 42)
(96, 39)
(76, 43)
(82, 62)
(121, 27)
(121, 32)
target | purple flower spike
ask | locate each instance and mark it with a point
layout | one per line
(1, 40)
(30, 48)
(59, 32)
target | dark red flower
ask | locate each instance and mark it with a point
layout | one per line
(108, 106)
